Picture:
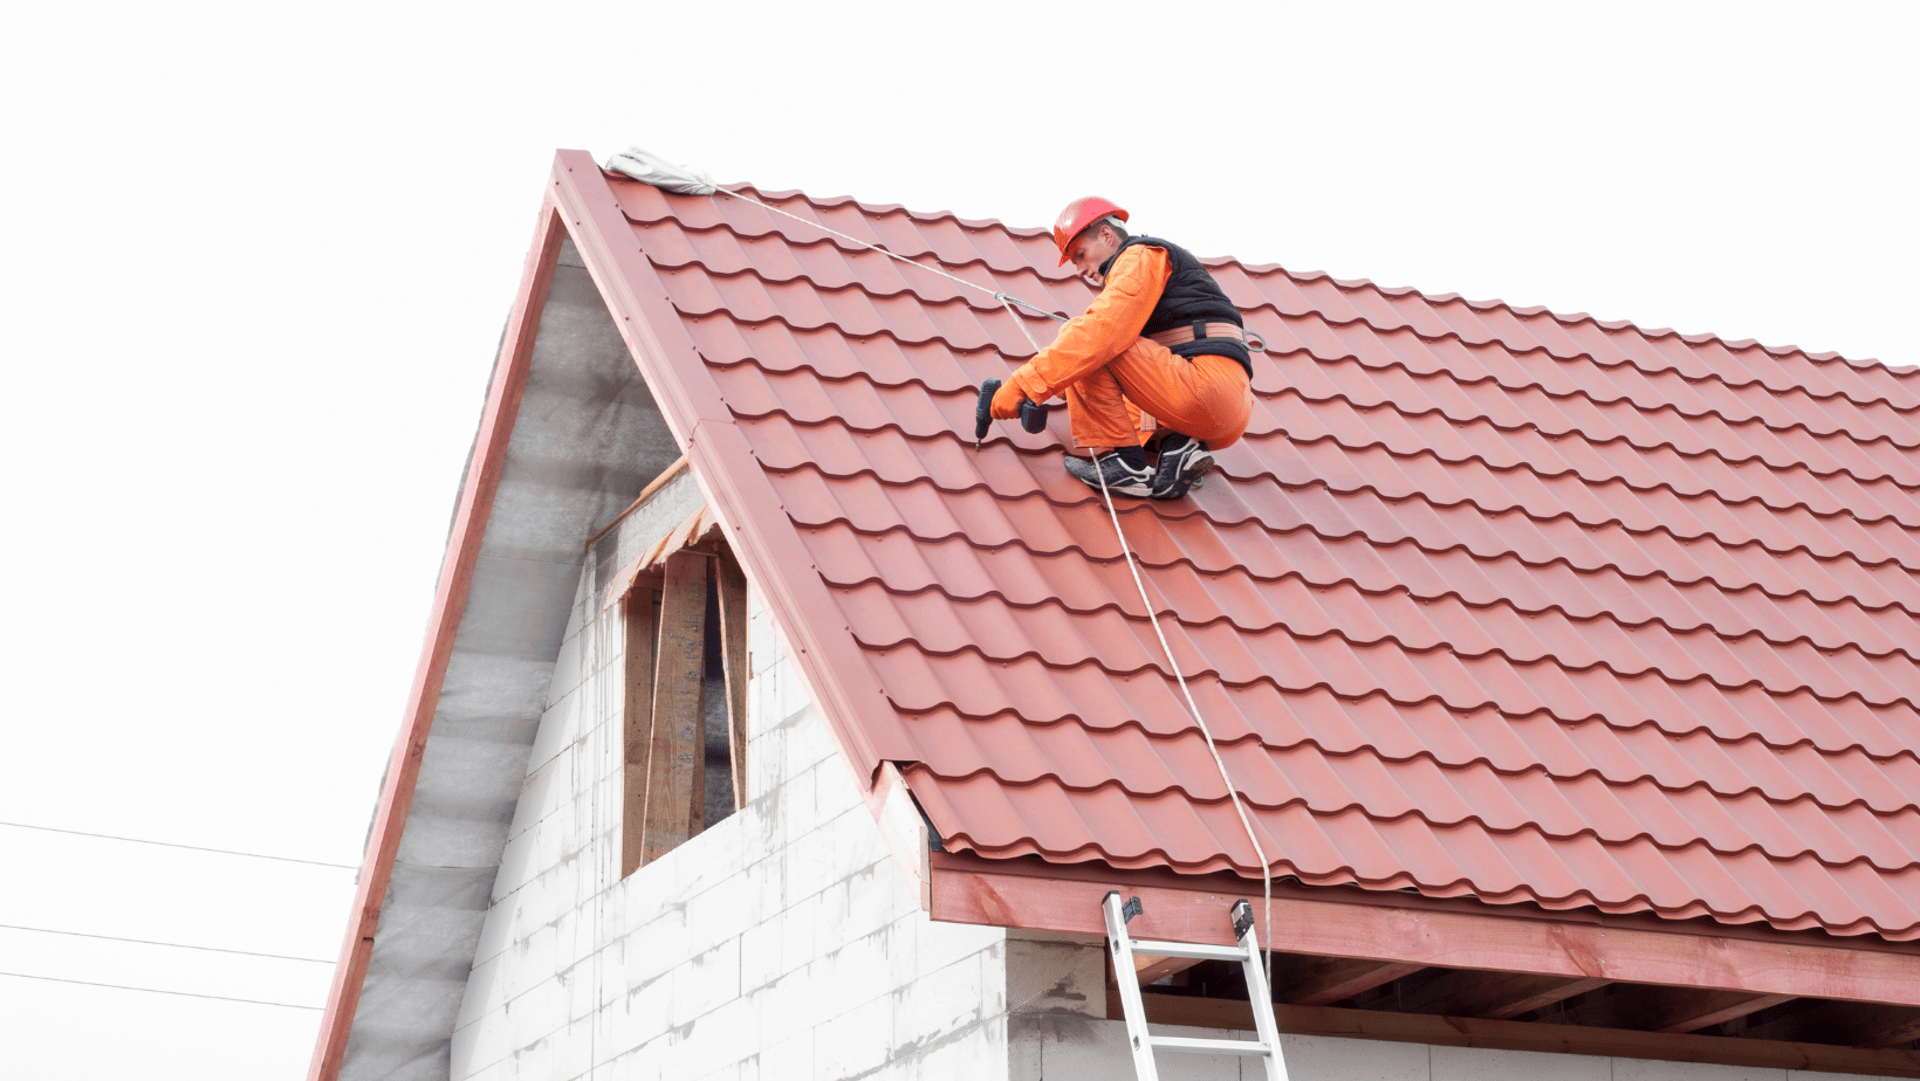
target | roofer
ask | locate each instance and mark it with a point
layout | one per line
(1161, 339)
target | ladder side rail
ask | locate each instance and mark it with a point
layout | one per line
(1260, 996)
(1121, 953)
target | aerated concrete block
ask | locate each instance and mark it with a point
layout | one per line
(1482, 1064)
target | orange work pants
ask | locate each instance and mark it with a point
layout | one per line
(1208, 397)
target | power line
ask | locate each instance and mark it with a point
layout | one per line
(171, 844)
(161, 991)
(175, 945)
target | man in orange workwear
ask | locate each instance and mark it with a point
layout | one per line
(1160, 338)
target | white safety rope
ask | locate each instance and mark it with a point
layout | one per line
(1004, 298)
(1233, 791)
(652, 169)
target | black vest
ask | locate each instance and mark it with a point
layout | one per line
(1191, 294)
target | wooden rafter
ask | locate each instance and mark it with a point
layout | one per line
(1147, 969)
(1667, 1009)
(1713, 1008)
(1858, 1024)
(732, 584)
(1317, 981)
(676, 747)
(1498, 995)
(639, 617)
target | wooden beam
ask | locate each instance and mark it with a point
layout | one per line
(1855, 1024)
(1499, 995)
(639, 618)
(678, 466)
(1352, 923)
(676, 746)
(1695, 1010)
(904, 828)
(1317, 981)
(733, 656)
(1530, 1036)
(1147, 969)
(1890, 1031)
(1666, 1009)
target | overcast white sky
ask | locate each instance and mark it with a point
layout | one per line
(257, 258)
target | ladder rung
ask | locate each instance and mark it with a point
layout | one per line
(1199, 951)
(1208, 1047)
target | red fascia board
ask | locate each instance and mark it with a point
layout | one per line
(1035, 897)
(838, 676)
(449, 602)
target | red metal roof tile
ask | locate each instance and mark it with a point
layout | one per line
(1489, 601)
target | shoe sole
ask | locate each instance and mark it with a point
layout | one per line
(1191, 473)
(1139, 489)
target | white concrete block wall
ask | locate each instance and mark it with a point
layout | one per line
(781, 943)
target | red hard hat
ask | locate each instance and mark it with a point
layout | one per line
(1077, 216)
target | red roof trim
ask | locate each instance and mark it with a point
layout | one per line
(449, 602)
(831, 663)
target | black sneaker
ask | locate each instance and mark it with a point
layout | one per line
(1184, 462)
(1121, 478)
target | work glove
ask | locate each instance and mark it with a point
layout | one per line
(1006, 401)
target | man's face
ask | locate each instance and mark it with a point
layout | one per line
(1091, 248)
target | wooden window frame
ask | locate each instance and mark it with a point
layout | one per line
(663, 598)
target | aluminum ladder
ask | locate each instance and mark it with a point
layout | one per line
(1144, 1044)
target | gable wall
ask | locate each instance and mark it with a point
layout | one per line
(587, 436)
(782, 942)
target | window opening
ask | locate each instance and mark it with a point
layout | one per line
(684, 728)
